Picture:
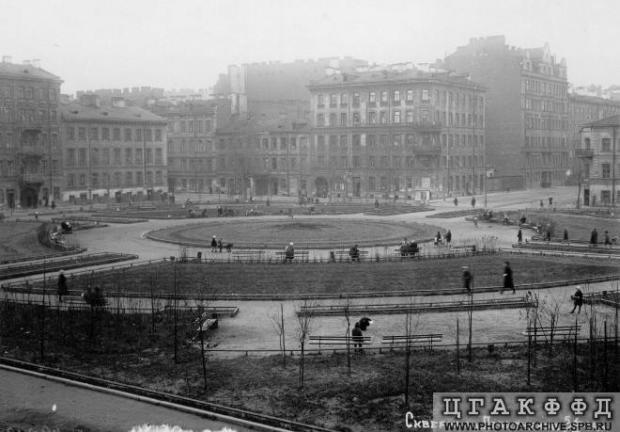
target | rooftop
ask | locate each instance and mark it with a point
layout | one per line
(613, 121)
(79, 112)
(26, 71)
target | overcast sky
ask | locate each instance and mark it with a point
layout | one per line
(187, 43)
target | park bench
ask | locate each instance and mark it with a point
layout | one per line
(414, 340)
(240, 254)
(566, 333)
(344, 254)
(299, 254)
(465, 248)
(337, 341)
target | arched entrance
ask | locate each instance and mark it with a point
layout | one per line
(29, 197)
(321, 187)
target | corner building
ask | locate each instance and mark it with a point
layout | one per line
(112, 152)
(527, 111)
(30, 153)
(397, 132)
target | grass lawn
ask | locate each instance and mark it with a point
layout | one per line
(19, 239)
(369, 398)
(222, 278)
(579, 227)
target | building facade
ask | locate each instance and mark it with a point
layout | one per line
(397, 132)
(600, 153)
(30, 153)
(191, 145)
(112, 152)
(527, 110)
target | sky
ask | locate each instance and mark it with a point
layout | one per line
(94, 44)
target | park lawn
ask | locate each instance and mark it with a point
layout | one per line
(579, 227)
(213, 279)
(19, 240)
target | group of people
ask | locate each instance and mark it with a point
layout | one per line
(95, 297)
(439, 239)
(217, 245)
(608, 241)
(508, 282)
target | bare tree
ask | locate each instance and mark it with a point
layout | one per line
(278, 324)
(304, 324)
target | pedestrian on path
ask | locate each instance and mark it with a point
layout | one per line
(62, 286)
(358, 338)
(542, 204)
(467, 279)
(520, 236)
(565, 235)
(607, 240)
(577, 299)
(456, 201)
(289, 253)
(214, 244)
(473, 202)
(448, 237)
(594, 238)
(508, 282)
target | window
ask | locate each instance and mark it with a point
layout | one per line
(283, 143)
(409, 116)
(605, 170)
(606, 145)
(128, 178)
(105, 159)
(148, 135)
(372, 117)
(149, 156)
(71, 180)
(356, 161)
(332, 119)
(320, 101)
(116, 134)
(384, 97)
(105, 134)
(396, 97)
(94, 134)
(371, 161)
(70, 157)
(158, 156)
(356, 118)
(320, 119)
(372, 184)
(333, 100)
(356, 100)
(344, 99)
(70, 133)
(372, 98)
(127, 134)
(409, 97)
(82, 179)
(128, 156)
(343, 119)
(397, 116)
(425, 95)
(138, 156)
(158, 134)
(95, 180)
(81, 157)
(81, 134)
(383, 117)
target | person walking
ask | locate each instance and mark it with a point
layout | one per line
(358, 338)
(577, 300)
(508, 282)
(456, 201)
(448, 237)
(289, 253)
(565, 235)
(354, 253)
(520, 236)
(220, 245)
(214, 244)
(62, 285)
(473, 202)
(542, 204)
(594, 238)
(607, 240)
(467, 279)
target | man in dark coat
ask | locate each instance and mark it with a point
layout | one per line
(214, 244)
(289, 252)
(354, 253)
(594, 237)
(467, 279)
(577, 300)
(62, 285)
(520, 236)
(448, 237)
(358, 338)
(508, 282)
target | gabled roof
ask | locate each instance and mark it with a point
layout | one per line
(26, 72)
(613, 121)
(77, 112)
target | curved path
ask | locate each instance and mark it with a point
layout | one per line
(27, 398)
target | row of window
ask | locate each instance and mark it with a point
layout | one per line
(38, 141)
(78, 157)
(537, 122)
(545, 141)
(117, 179)
(546, 159)
(27, 92)
(605, 145)
(190, 147)
(452, 100)
(27, 116)
(544, 105)
(424, 117)
(559, 90)
(190, 126)
(395, 162)
(8, 168)
(385, 142)
(129, 134)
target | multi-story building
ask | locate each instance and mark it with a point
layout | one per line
(398, 132)
(30, 155)
(267, 157)
(114, 151)
(191, 144)
(527, 111)
(600, 152)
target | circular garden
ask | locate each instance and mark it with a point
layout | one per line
(311, 233)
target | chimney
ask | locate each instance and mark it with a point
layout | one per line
(7, 59)
(118, 102)
(90, 100)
